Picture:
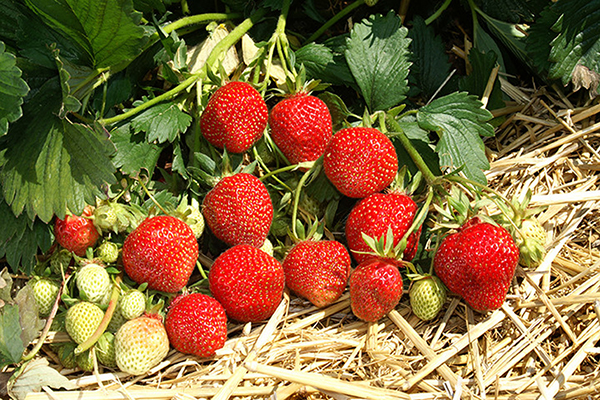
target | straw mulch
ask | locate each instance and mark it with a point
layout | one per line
(540, 345)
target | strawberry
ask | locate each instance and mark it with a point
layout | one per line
(77, 233)
(301, 127)
(82, 320)
(132, 304)
(93, 283)
(360, 161)
(196, 324)
(108, 252)
(161, 251)
(45, 291)
(478, 263)
(105, 350)
(531, 242)
(374, 215)
(238, 210)
(427, 297)
(140, 344)
(248, 283)
(375, 289)
(317, 270)
(235, 117)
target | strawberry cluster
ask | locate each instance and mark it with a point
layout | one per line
(112, 292)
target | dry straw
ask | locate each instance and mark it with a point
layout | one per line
(542, 344)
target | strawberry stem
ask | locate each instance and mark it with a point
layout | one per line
(333, 20)
(398, 132)
(220, 48)
(108, 314)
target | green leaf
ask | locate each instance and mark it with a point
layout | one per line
(377, 55)
(419, 138)
(107, 30)
(50, 164)
(38, 374)
(513, 11)
(12, 90)
(11, 345)
(537, 44)
(162, 123)
(460, 122)
(431, 65)
(510, 36)
(134, 153)
(578, 41)
(321, 62)
(476, 82)
(31, 324)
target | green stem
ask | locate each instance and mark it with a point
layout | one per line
(438, 12)
(430, 178)
(297, 193)
(474, 9)
(220, 49)
(465, 181)
(269, 174)
(334, 19)
(108, 314)
(192, 20)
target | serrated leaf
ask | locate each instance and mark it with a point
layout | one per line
(38, 374)
(460, 122)
(108, 30)
(21, 239)
(134, 153)
(179, 162)
(539, 37)
(419, 138)
(322, 63)
(12, 90)
(578, 42)
(431, 65)
(50, 164)
(162, 122)
(11, 345)
(377, 54)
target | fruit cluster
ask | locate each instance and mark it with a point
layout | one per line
(109, 296)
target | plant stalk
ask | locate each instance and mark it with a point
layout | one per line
(333, 20)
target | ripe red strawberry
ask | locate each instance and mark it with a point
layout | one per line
(360, 161)
(478, 262)
(162, 251)
(317, 270)
(301, 127)
(77, 233)
(248, 283)
(374, 215)
(196, 324)
(375, 289)
(235, 117)
(238, 210)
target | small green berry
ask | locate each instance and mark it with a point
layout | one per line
(427, 297)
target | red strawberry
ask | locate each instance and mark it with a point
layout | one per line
(301, 127)
(360, 161)
(238, 210)
(196, 324)
(77, 233)
(317, 270)
(374, 215)
(161, 251)
(375, 289)
(248, 283)
(235, 117)
(478, 262)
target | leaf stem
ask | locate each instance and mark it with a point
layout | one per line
(333, 20)
(438, 12)
(220, 49)
(193, 20)
(429, 177)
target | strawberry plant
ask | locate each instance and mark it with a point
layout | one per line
(126, 126)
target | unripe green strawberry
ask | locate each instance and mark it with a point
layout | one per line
(66, 354)
(427, 297)
(60, 260)
(85, 361)
(191, 214)
(141, 344)
(93, 282)
(108, 252)
(45, 291)
(532, 244)
(116, 321)
(82, 320)
(105, 217)
(105, 350)
(132, 304)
